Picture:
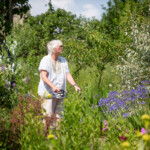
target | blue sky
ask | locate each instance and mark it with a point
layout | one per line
(87, 8)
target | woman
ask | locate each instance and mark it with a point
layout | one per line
(53, 74)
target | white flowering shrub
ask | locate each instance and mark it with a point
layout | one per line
(10, 76)
(136, 66)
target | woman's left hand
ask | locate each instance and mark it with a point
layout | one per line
(77, 88)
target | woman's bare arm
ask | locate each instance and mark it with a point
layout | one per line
(72, 82)
(48, 82)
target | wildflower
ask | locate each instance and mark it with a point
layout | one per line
(122, 138)
(80, 119)
(110, 85)
(125, 115)
(13, 84)
(113, 94)
(126, 144)
(105, 123)
(50, 136)
(11, 120)
(146, 137)
(93, 106)
(145, 117)
(143, 131)
(95, 96)
(104, 129)
(3, 67)
(49, 96)
(145, 82)
(142, 102)
(139, 133)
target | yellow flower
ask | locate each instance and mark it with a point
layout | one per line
(145, 117)
(146, 137)
(49, 96)
(50, 136)
(126, 144)
(139, 133)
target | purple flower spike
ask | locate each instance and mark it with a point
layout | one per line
(13, 84)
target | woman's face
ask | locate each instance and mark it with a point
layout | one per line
(58, 49)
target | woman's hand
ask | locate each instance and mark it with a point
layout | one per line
(48, 82)
(77, 88)
(55, 89)
(72, 82)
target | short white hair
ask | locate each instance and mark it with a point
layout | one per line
(52, 44)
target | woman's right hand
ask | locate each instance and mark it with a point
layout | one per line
(48, 82)
(56, 89)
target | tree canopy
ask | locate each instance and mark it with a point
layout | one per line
(8, 8)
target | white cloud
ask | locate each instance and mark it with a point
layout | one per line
(90, 11)
(38, 6)
(75, 6)
(64, 4)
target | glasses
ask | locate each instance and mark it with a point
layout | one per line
(61, 46)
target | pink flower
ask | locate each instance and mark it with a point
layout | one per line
(122, 138)
(104, 129)
(105, 123)
(143, 131)
(11, 120)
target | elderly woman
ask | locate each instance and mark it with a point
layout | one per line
(53, 74)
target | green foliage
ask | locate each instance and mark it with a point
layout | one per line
(110, 22)
(32, 132)
(80, 127)
(8, 9)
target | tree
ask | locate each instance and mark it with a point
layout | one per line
(110, 22)
(7, 9)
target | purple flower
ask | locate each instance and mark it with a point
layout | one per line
(143, 131)
(93, 106)
(145, 82)
(3, 67)
(142, 102)
(13, 84)
(125, 92)
(141, 91)
(95, 96)
(125, 115)
(113, 94)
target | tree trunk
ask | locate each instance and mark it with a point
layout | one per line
(10, 11)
